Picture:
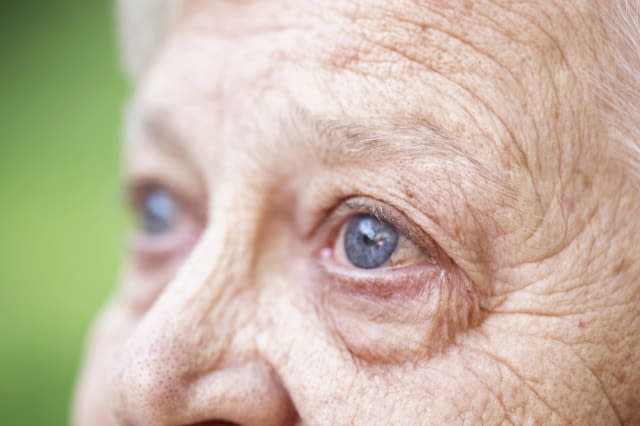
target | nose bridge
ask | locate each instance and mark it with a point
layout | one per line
(186, 337)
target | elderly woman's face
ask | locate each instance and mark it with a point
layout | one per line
(372, 212)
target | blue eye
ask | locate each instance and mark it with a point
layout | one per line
(369, 242)
(159, 212)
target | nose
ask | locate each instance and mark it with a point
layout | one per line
(193, 359)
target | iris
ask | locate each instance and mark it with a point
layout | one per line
(369, 242)
(159, 211)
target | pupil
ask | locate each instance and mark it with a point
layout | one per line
(158, 212)
(369, 242)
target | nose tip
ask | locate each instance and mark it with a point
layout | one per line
(165, 380)
(145, 389)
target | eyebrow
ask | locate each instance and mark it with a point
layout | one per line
(364, 138)
(404, 139)
(159, 129)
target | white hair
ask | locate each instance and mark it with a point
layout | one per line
(142, 26)
(620, 87)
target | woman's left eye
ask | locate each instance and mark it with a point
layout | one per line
(368, 242)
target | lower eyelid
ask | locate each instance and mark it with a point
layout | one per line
(160, 250)
(384, 284)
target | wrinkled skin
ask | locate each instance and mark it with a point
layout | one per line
(474, 122)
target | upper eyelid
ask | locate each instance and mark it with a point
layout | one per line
(136, 191)
(380, 210)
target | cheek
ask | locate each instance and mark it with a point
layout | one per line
(509, 369)
(376, 364)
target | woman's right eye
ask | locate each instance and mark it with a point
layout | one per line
(159, 212)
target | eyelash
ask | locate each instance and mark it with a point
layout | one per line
(351, 207)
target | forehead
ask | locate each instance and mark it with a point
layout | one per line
(486, 72)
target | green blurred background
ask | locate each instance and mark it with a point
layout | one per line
(61, 227)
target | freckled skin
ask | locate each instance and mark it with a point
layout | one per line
(473, 120)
